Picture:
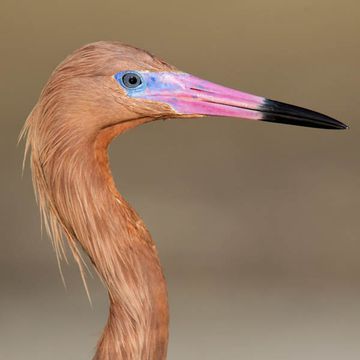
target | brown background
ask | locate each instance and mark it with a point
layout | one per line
(257, 224)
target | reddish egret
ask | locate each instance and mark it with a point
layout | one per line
(95, 94)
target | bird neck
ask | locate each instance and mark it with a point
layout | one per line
(124, 254)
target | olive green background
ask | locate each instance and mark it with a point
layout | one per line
(257, 224)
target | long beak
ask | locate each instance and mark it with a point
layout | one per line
(189, 95)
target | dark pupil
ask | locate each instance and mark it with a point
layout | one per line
(133, 80)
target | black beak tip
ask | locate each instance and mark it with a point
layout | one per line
(278, 112)
(336, 124)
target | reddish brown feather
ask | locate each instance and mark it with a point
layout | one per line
(80, 110)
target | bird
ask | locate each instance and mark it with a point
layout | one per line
(98, 92)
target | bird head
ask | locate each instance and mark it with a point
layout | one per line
(109, 83)
(94, 94)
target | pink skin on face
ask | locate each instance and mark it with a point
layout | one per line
(190, 95)
(187, 94)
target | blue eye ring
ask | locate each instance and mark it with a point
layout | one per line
(131, 80)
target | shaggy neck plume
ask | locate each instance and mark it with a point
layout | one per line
(77, 191)
(80, 110)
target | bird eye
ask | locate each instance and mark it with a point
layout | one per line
(131, 80)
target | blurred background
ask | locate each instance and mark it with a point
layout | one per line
(257, 225)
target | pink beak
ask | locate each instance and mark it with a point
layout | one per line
(189, 95)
